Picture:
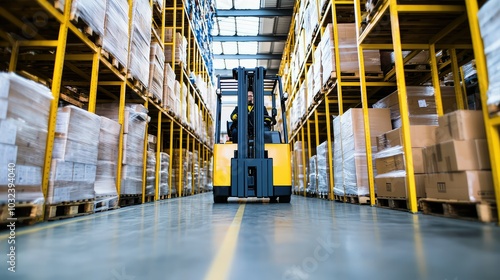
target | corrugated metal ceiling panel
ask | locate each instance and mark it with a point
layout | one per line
(265, 47)
(278, 47)
(247, 26)
(283, 25)
(227, 26)
(269, 3)
(266, 26)
(246, 4)
(286, 3)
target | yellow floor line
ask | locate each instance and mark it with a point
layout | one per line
(221, 265)
(53, 225)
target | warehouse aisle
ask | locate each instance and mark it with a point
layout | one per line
(190, 238)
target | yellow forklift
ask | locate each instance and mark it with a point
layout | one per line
(259, 164)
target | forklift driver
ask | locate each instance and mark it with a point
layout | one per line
(234, 118)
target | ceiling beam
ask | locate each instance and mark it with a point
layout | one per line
(260, 38)
(268, 12)
(248, 56)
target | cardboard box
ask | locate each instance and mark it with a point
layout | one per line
(465, 186)
(420, 136)
(458, 155)
(461, 125)
(387, 186)
(397, 162)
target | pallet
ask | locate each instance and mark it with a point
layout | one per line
(69, 209)
(86, 29)
(163, 197)
(114, 62)
(105, 203)
(130, 199)
(369, 76)
(395, 203)
(138, 86)
(337, 197)
(485, 212)
(494, 110)
(357, 199)
(149, 198)
(26, 213)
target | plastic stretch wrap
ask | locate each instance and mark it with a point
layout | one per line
(109, 135)
(318, 72)
(210, 173)
(323, 169)
(489, 23)
(338, 169)
(469, 69)
(164, 169)
(71, 181)
(116, 30)
(156, 71)
(131, 180)
(180, 49)
(140, 41)
(298, 165)
(168, 87)
(105, 182)
(421, 105)
(77, 135)
(310, 87)
(23, 135)
(159, 3)
(186, 169)
(312, 183)
(92, 12)
(151, 173)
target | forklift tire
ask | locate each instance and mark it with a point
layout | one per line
(220, 199)
(273, 199)
(285, 199)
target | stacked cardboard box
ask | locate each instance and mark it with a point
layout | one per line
(150, 172)
(348, 52)
(312, 171)
(140, 41)
(185, 161)
(298, 167)
(338, 167)
(107, 159)
(317, 72)
(74, 155)
(459, 164)
(323, 169)
(352, 135)
(156, 72)
(134, 129)
(116, 30)
(390, 161)
(421, 105)
(23, 136)
(310, 87)
(164, 171)
(179, 47)
(169, 88)
(490, 23)
(91, 12)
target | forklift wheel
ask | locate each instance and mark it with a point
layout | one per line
(220, 199)
(273, 199)
(285, 199)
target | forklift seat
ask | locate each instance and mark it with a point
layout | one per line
(272, 137)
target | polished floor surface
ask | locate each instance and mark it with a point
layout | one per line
(191, 238)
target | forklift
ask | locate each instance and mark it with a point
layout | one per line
(259, 165)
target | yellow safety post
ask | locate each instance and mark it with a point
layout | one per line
(14, 56)
(145, 159)
(329, 144)
(159, 146)
(338, 72)
(56, 88)
(304, 169)
(403, 106)
(435, 80)
(456, 80)
(121, 121)
(96, 57)
(170, 158)
(492, 124)
(180, 175)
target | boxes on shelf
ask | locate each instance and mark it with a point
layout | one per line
(421, 105)
(116, 30)
(393, 184)
(352, 137)
(310, 87)
(298, 168)
(318, 72)
(489, 24)
(156, 72)
(164, 173)
(140, 41)
(74, 155)
(338, 164)
(312, 171)
(323, 169)
(179, 47)
(150, 173)
(23, 136)
(458, 164)
(107, 158)
(91, 12)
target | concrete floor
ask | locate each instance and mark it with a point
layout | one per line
(191, 238)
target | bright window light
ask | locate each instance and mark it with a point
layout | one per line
(230, 47)
(217, 47)
(248, 63)
(246, 4)
(219, 64)
(227, 26)
(247, 26)
(247, 47)
(231, 63)
(224, 4)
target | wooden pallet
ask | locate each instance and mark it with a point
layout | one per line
(130, 199)
(114, 62)
(105, 203)
(138, 86)
(165, 196)
(69, 209)
(337, 197)
(86, 29)
(149, 198)
(357, 199)
(485, 212)
(396, 203)
(26, 213)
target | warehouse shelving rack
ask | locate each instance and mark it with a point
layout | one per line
(178, 19)
(343, 91)
(398, 25)
(50, 48)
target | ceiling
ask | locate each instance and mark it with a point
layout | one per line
(250, 34)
